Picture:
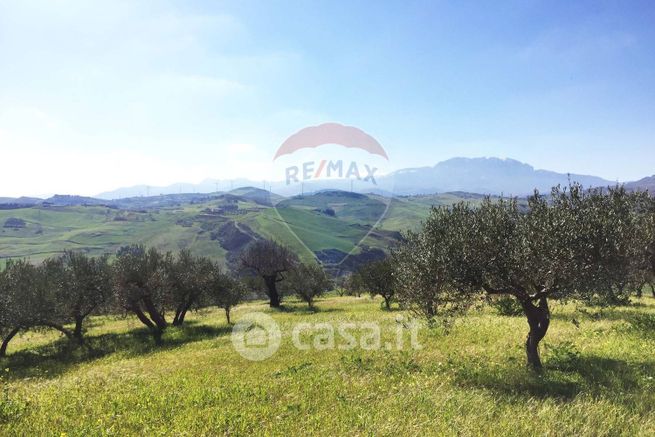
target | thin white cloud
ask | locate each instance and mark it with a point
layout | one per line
(576, 45)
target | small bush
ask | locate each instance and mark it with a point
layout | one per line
(507, 306)
(563, 356)
(15, 223)
(643, 322)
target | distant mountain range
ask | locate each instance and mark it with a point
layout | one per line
(647, 183)
(206, 186)
(485, 176)
(472, 175)
(468, 175)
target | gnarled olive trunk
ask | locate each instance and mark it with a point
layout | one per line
(78, 331)
(180, 313)
(538, 320)
(5, 341)
(141, 316)
(271, 287)
(179, 318)
(157, 325)
(59, 328)
(154, 314)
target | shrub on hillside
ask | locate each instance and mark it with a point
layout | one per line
(14, 223)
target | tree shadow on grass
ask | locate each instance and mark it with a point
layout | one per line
(315, 310)
(303, 308)
(563, 378)
(53, 359)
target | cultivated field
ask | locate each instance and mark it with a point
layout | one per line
(470, 380)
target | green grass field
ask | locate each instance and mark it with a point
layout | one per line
(471, 380)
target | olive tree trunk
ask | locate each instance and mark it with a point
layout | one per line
(538, 319)
(227, 315)
(6, 340)
(180, 313)
(78, 331)
(156, 326)
(271, 288)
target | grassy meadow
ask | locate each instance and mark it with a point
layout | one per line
(467, 380)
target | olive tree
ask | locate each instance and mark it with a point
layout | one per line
(270, 261)
(647, 223)
(142, 285)
(533, 255)
(425, 263)
(524, 256)
(224, 290)
(376, 278)
(82, 285)
(28, 301)
(15, 285)
(616, 252)
(559, 247)
(308, 281)
(187, 279)
(351, 284)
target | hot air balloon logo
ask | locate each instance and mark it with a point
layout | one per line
(331, 133)
(335, 186)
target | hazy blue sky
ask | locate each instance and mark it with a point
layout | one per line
(96, 95)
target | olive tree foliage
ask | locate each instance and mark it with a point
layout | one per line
(224, 291)
(308, 281)
(376, 278)
(648, 234)
(65, 290)
(187, 278)
(341, 284)
(650, 260)
(270, 261)
(82, 286)
(8, 328)
(142, 285)
(425, 264)
(616, 255)
(575, 243)
(16, 284)
(349, 284)
(27, 300)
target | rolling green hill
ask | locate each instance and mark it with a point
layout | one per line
(218, 226)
